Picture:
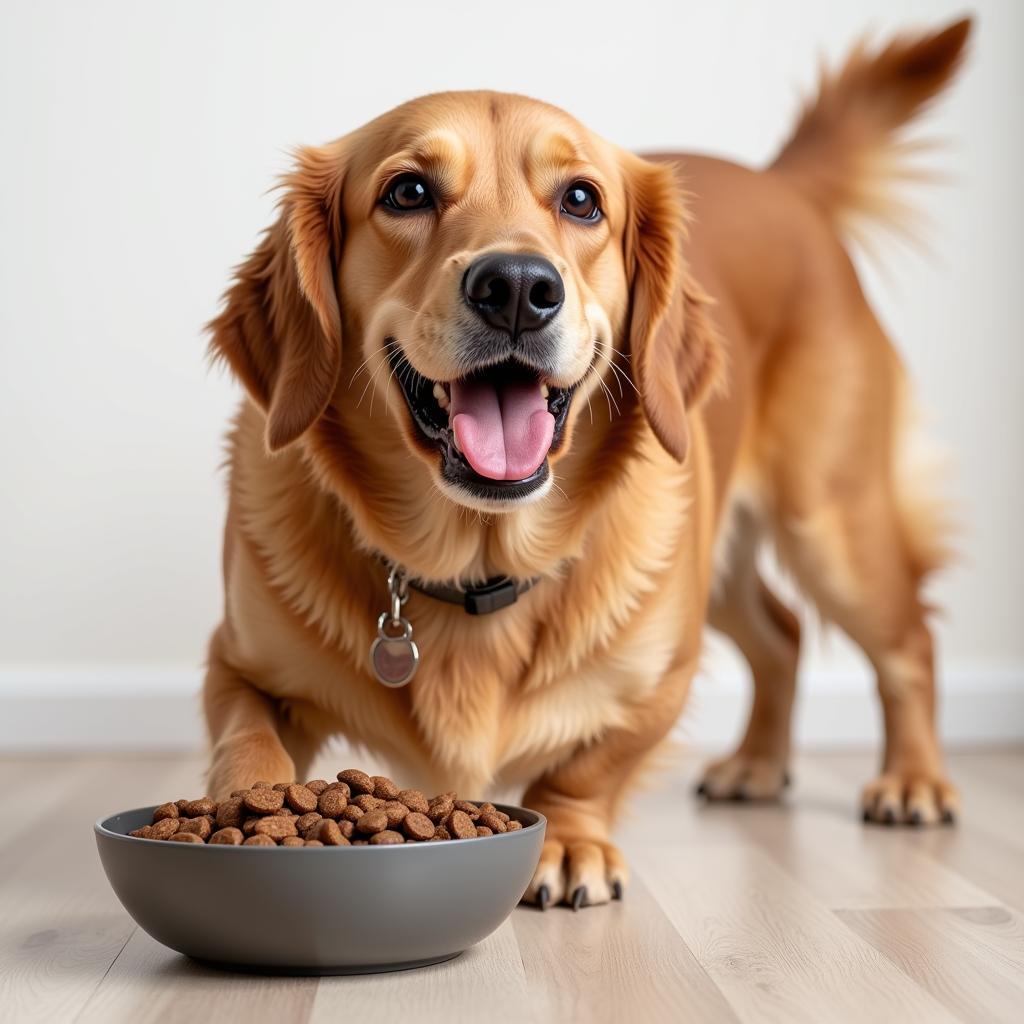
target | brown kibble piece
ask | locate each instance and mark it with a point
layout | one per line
(439, 809)
(367, 802)
(180, 804)
(360, 842)
(164, 828)
(504, 817)
(343, 786)
(263, 800)
(275, 827)
(300, 799)
(185, 837)
(372, 821)
(197, 808)
(312, 842)
(238, 793)
(513, 825)
(165, 811)
(197, 826)
(383, 787)
(441, 833)
(414, 800)
(281, 787)
(261, 785)
(259, 841)
(396, 812)
(387, 838)
(317, 786)
(308, 821)
(347, 828)
(293, 841)
(357, 781)
(331, 803)
(146, 832)
(418, 826)
(460, 825)
(327, 832)
(465, 805)
(492, 821)
(229, 836)
(230, 813)
(249, 824)
(352, 813)
(483, 830)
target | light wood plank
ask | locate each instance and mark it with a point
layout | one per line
(487, 981)
(151, 984)
(623, 961)
(62, 926)
(775, 952)
(970, 960)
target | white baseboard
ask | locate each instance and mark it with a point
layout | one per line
(156, 709)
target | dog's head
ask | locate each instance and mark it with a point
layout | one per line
(483, 260)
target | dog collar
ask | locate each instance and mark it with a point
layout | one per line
(394, 655)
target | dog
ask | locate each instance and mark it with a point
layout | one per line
(521, 406)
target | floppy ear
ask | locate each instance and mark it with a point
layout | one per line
(674, 349)
(280, 330)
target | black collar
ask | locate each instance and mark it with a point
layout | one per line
(497, 593)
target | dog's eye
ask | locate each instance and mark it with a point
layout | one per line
(579, 201)
(409, 192)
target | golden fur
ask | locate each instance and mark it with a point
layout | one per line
(751, 385)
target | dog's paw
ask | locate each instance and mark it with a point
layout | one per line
(579, 873)
(739, 777)
(904, 799)
(244, 758)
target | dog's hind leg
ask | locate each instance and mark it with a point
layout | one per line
(767, 633)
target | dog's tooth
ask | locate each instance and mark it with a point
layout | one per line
(439, 392)
(543, 391)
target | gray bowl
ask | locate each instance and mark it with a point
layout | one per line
(330, 910)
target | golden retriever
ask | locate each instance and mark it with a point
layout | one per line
(497, 364)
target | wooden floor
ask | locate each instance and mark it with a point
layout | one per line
(735, 913)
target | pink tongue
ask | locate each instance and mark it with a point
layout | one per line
(505, 430)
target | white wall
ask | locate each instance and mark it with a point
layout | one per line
(139, 141)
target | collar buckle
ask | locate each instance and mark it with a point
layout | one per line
(495, 594)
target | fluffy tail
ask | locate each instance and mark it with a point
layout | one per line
(845, 153)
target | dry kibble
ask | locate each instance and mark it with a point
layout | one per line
(230, 813)
(460, 825)
(367, 802)
(492, 821)
(383, 787)
(418, 826)
(396, 812)
(197, 826)
(372, 821)
(331, 803)
(275, 827)
(439, 809)
(414, 800)
(197, 808)
(165, 811)
(229, 836)
(357, 781)
(300, 799)
(263, 799)
(164, 828)
(357, 810)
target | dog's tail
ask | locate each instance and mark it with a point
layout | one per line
(846, 153)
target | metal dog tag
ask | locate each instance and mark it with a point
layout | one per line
(394, 658)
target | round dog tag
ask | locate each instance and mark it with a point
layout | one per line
(394, 658)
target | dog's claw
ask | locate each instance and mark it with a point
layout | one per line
(617, 889)
(579, 897)
(948, 817)
(889, 816)
(702, 789)
(543, 897)
(916, 818)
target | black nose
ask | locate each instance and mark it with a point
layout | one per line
(514, 292)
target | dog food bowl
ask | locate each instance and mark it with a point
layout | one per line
(329, 910)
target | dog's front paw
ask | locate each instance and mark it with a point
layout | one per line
(742, 777)
(578, 872)
(241, 759)
(903, 798)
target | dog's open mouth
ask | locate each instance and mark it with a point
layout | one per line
(494, 428)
